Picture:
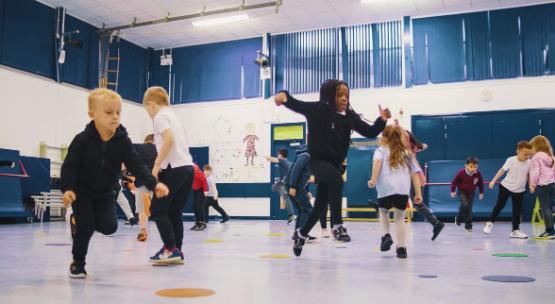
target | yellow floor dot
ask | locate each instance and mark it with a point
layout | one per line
(185, 292)
(274, 234)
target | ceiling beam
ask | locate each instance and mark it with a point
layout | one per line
(203, 13)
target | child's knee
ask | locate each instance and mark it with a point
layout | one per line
(108, 228)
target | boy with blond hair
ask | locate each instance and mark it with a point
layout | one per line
(90, 170)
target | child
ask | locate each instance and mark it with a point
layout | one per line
(200, 187)
(148, 154)
(392, 171)
(124, 203)
(90, 170)
(330, 122)
(173, 166)
(466, 181)
(412, 144)
(542, 179)
(513, 185)
(296, 185)
(212, 195)
(284, 165)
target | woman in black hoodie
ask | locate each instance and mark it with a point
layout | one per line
(330, 124)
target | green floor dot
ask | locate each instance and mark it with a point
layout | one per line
(510, 255)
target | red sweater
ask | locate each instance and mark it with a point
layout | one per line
(199, 180)
(467, 183)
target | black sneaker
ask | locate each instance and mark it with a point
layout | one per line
(468, 227)
(225, 219)
(457, 221)
(201, 227)
(77, 271)
(133, 221)
(387, 241)
(311, 239)
(547, 235)
(195, 227)
(340, 235)
(402, 252)
(298, 243)
(437, 229)
(291, 219)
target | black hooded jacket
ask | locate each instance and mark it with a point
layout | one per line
(329, 133)
(93, 166)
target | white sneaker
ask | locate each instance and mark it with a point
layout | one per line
(325, 233)
(488, 227)
(517, 234)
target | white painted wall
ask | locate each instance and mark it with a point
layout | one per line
(36, 109)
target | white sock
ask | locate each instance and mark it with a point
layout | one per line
(399, 216)
(384, 220)
(124, 204)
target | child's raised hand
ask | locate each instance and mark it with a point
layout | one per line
(491, 184)
(453, 194)
(481, 196)
(385, 114)
(161, 190)
(68, 198)
(280, 99)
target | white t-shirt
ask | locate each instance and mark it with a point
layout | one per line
(212, 190)
(517, 174)
(179, 154)
(393, 181)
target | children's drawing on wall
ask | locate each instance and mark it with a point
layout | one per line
(234, 151)
(250, 139)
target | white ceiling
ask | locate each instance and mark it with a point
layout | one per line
(294, 15)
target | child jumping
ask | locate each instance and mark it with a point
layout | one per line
(330, 122)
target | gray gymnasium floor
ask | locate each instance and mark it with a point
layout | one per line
(34, 260)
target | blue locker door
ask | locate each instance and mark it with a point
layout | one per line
(510, 128)
(430, 130)
(548, 125)
(468, 135)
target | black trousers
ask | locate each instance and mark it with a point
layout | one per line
(167, 211)
(502, 198)
(210, 201)
(329, 190)
(91, 212)
(198, 206)
(465, 208)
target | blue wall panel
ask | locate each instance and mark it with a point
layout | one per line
(28, 37)
(468, 135)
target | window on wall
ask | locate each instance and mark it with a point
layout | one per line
(374, 55)
(497, 44)
(302, 61)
